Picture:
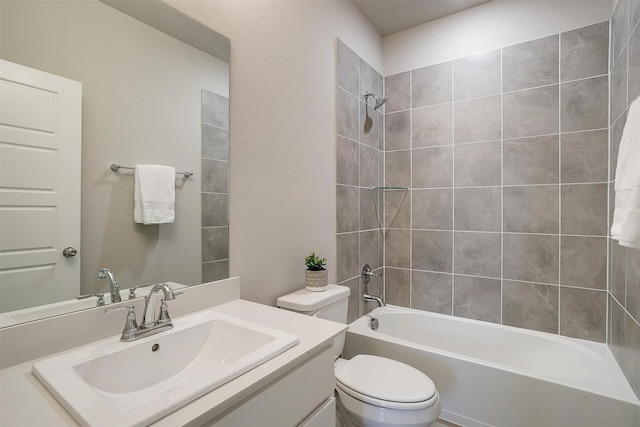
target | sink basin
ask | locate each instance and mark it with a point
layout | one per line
(112, 383)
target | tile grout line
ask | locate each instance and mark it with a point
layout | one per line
(411, 189)
(559, 178)
(502, 191)
(453, 198)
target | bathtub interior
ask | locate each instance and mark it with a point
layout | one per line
(485, 387)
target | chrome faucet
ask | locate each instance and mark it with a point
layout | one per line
(379, 300)
(103, 273)
(149, 319)
(150, 324)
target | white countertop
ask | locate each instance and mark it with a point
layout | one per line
(25, 402)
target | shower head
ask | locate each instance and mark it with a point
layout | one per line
(379, 101)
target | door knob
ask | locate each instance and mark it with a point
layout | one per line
(69, 252)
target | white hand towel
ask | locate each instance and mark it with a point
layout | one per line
(154, 195)
(626, 217)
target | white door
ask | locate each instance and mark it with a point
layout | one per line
(40, 135)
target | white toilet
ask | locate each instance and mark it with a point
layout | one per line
(372, 391)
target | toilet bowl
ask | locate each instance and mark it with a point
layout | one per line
(375, 391)
(371, 391)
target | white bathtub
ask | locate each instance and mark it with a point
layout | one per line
(494, 375)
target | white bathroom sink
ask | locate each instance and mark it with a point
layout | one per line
(113, 383)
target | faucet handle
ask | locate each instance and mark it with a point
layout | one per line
(130, 326)
(100, 297)
(132, 291)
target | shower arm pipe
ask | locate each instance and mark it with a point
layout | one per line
(379, 101)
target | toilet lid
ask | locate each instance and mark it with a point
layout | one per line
(385, 379)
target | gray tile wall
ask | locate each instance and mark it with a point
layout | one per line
(359, 168)
(506, 157)
(215, 186)
(624, 263)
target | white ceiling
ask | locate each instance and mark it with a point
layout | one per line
(391, 16)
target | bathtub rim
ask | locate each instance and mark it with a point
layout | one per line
(623, 393)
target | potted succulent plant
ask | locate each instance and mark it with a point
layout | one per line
(316, 277)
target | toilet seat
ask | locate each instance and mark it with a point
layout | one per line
(385, 383)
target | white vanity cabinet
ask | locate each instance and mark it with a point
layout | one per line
(301, 397)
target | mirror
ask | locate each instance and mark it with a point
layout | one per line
(153, 92)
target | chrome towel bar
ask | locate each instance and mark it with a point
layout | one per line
(115, 167)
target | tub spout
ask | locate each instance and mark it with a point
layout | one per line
(379, 300)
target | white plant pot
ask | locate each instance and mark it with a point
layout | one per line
(316, 281)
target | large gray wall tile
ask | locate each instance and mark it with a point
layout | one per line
(371, 248)
(631, 366)
(431, 126)
(347, 161)
(369, 164)
(532, 258)
(215, 270)
(347, 114)
(584, 209)
(617, 270)
(619, 27)
(585, 52)
(397, 168)
(371, 124)
(348, 208)
(370, 205)
(397, 246)
(618, 95)
(215, 243)
(397, 209)
(477, 75)
(584, 104)
(531, 306)
(397, 287)
(531, 112)
(615, 136)
(584, 156)
(431, 292)
(477, 119)
(432, 209)
(478, 209)
(531, 209)
(397, 135)
(583, 313)
(477, 298)
(215, 142)
(531, 160)
(431, 85)
(583, 262)
(432, 167)
(215, 109)
(347, 68)
(215, 210)
(477, 254)
(478, 164)
(634, 64)
(398, 89)
(370, 81)
(348, 256)
(432, 250)
(215, 176)
(632, 279)
(634, 15)
(530, 64)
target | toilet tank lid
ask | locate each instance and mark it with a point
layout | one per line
(304, 300)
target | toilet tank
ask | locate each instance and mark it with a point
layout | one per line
(331, 304)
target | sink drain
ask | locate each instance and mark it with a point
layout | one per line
(155, 347)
